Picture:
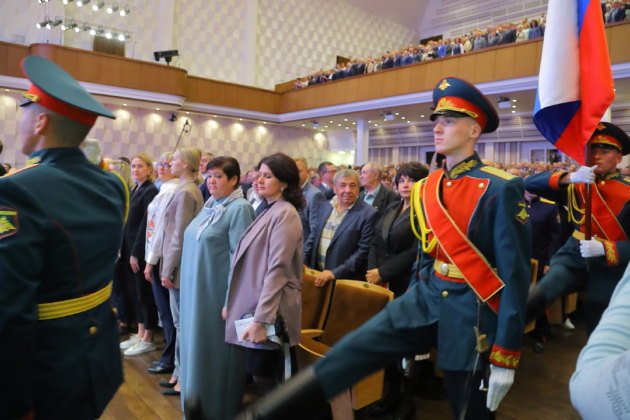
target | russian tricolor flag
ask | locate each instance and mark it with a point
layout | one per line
(575, 85)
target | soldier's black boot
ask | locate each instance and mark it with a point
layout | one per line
(302, 397)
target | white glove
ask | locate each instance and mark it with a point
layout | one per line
(584, 175)
(500, 382)
(591, 248)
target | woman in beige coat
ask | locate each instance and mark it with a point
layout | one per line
(266, 279)
(186, 203)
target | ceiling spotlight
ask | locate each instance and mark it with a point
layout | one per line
(67, 1)
(92, 31)
(121, 37)
(315, 125)
(112, 8)
(53, 23)
(124, 12)
(40, 25)
(81, 3)
(97, 6)
(108, 35)
(66, 26)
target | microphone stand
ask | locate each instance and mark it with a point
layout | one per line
(185, 129)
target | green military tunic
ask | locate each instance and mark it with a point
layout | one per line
(61, 224)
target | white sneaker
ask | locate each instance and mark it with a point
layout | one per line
(132, 341)
(568, 324)
(140, 348)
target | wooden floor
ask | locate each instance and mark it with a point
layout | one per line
(539, 392)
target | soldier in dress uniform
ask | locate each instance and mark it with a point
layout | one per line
(61, 223)
(469, 292)
(608, 252)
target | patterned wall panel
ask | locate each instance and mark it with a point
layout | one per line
(140, 130)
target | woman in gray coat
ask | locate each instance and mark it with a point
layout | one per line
(266, 279)
(185, 205)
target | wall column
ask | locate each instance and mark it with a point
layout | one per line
(363, 142)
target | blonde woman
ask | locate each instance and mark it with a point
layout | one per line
(155, 239)
(186, 203)
(133, 291)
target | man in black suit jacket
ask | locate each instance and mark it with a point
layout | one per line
(341, 232)
(375, 194)
(326, 172)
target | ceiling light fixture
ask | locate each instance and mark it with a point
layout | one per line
(81, 3)
(124, 12)
(112, 8)
(98, 6)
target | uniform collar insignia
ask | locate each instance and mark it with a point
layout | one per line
(611, 175)
(463, 167)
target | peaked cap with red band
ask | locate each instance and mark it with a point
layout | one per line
(609, 135)
(53, 88)
(457, 98)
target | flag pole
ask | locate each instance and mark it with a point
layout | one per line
(587, 202)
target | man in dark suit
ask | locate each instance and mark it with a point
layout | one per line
(312, 195)
(326, 172)
(341, 232)
(206, 157)
(375, 194)
(61, 223)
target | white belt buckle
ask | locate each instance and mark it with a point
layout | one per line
(444, 269)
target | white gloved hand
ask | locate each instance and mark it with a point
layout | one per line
(591, 248)
(500, 382)
(584, 175)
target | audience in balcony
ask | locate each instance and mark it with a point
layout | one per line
(506, 33)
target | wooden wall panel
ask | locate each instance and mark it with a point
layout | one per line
(10, 57)
(106, 69)
(618, 36)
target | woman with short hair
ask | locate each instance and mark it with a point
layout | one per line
(209, 243)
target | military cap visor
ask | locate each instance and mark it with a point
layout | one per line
(609, 136)
(457, 98)
(54, 89)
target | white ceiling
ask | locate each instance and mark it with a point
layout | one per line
(404, 12)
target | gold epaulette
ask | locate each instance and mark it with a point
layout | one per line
(544, 200)
(627, 179)
(19, 171)
(497, 172)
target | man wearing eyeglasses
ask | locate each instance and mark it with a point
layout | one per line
(327, 172)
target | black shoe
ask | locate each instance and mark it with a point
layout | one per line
(164, 383)
(160, 369)
(171, 392)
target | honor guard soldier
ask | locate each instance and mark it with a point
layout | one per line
(61, 223)
(469, 292)
(594, 265)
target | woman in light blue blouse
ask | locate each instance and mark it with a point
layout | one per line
(212, 371)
